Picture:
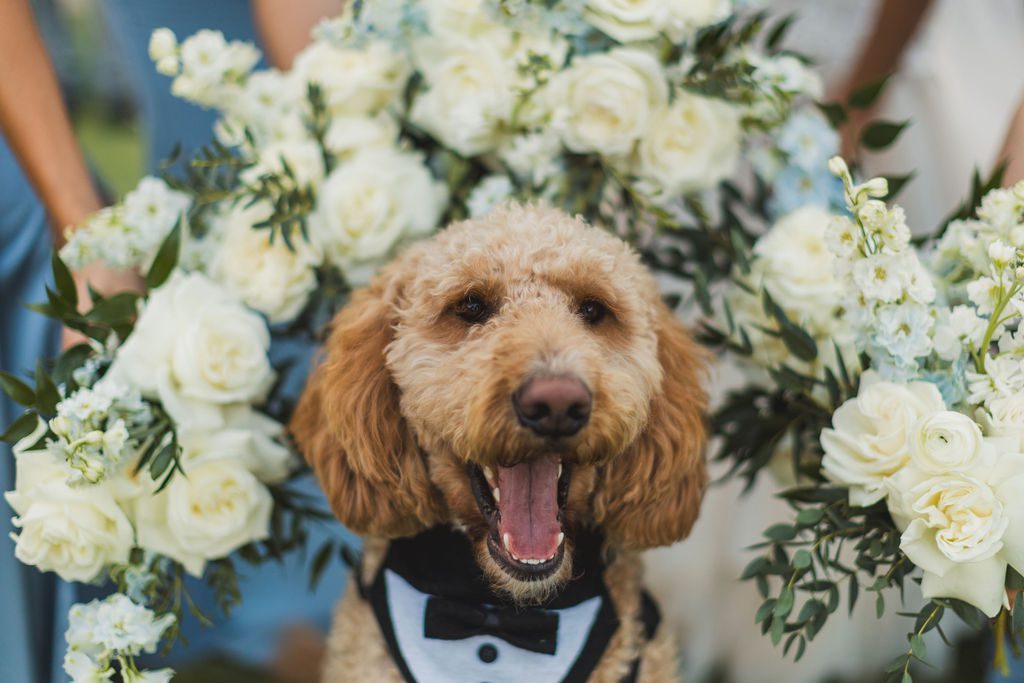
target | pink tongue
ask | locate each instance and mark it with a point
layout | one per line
(528, 507)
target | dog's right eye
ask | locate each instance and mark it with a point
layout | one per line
(473, 309)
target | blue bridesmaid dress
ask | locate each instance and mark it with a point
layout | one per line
(274, 595)
(32, 605)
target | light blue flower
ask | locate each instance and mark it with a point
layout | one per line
(809, 140)
(794, 188)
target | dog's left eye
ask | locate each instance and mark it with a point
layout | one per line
(592, 311)
(473, 309)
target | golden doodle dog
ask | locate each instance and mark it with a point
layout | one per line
(507, 414)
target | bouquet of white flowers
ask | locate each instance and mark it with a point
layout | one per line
(157, 450)
(891, 369)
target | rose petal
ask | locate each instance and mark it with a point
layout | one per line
(918, 543)
(977, 583)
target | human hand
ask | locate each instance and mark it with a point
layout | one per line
(104, 280)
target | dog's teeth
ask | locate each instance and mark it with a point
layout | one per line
(496, 492)
(489, 474)
(507, 540)
(561, 537)
(559, 469)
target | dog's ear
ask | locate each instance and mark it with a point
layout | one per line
(650, 495)
(349, 427)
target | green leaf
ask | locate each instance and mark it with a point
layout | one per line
(62, 278)
(765, 610)
(802, 559)
(834, 112)
(166, 258)
(16, 389)
(780, 532)
(119, 308)
(784, 605)
(897, 183)
(778, 627)
(879, 606)
(866, 95)
(20, 428)
(1018, 614)
(853, 592)
(47, 396)
(907, 678)
(799, 341)
(163, 459)
(809, 516)
(881, 134)
(917, 646)
(320, 560)
(754, 568)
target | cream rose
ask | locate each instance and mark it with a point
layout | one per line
(197, 350)
(250, 437)
(870, 434)
(963, 528)
(370, 203)
(349, 134)
(945, 442)
(354, 81)
(267, 275)
(302, 158)
(1004, 417)
(468, 93)
(75, 532)
(604, 102)
(692, 144)
(215, 508)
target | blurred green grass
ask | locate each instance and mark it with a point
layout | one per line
(113, 147)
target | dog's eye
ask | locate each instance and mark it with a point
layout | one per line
(473, 309)
(592, 311)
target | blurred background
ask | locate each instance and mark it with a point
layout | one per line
(938, 53)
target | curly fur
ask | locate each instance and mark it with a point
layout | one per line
(408, 393)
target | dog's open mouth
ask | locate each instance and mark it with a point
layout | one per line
(523, 505)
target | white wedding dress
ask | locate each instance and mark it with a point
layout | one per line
(960, 83)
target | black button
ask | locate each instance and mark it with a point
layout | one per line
(487, 653)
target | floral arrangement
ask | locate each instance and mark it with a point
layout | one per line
(156, 450)
(888, 368)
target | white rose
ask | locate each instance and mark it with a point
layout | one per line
(162, 43)
(1004, 417)
(349, 134)
(869, 438)
(638, 20)
(468, 92)
(75, 532)
(267, 275)
(944, 442)
(249, 437)
(692, 144)
(604, 102)
(457, 19)
(302, 157)
(120, 625)
(354, 81)
(370, 203)
(215, 508)
(963, 529)
(795, 265)
(196, 349)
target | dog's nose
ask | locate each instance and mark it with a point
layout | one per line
(553, 406)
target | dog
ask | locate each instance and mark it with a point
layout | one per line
(507, 414)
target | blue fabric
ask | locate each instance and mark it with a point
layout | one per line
(274, 595)
(31, 626)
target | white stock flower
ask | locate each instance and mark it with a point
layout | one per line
(904, 330)
(163, 50)
(84, 669)
(215, 508)
(958, 330)
(1003, 209)
(692, 144)
(534, 157)
(869, 438)
(1003, 376)
(267, 275)
(878, 277)
(212, 68)
(150, 676)
(354, 81)
(468, 92)
(119, 625)
(889, 224)
(369, 203)
(196, 348)
(984, 293)
(842, 236)
(604, 102)
(73, 531)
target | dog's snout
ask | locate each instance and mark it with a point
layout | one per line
(553, 406)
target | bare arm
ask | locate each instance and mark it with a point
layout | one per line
(1013, 148)
(36, 124)
(284, 25)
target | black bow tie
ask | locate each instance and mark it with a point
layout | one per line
(531, 629)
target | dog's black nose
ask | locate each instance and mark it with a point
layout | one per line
(552, 406)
